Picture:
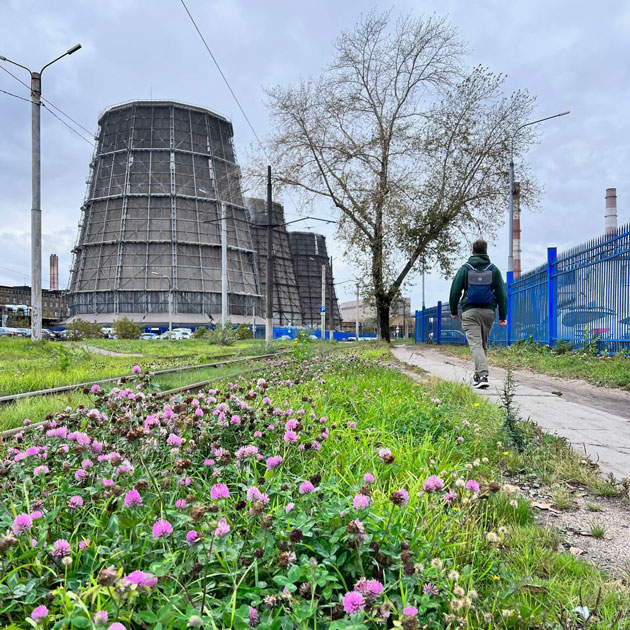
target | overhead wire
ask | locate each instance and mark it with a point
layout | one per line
(48, 104)
(227, 83)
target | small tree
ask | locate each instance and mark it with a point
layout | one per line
(126, 329)
(409, 146)
(201, 332)
(223, 335)
(243, 331)
(80, 329)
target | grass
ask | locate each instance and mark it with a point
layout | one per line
(28, 367)
(532, 576)
(434, 428)
(37, 408)
(597, 530)
(601, 370)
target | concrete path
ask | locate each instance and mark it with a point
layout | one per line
(595, 421)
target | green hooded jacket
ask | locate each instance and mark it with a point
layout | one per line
(479, 262)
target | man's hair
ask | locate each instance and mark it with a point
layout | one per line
(480, 247)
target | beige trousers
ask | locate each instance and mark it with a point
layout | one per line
(477, 324)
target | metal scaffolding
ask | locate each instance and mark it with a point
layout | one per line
(308, 251)
(287, 310)
(151, 219)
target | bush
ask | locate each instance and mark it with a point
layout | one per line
(223, 335)
(80, 329)
(126, 329)
(201, 333)
(243, 332)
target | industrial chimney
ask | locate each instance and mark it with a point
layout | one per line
(54, 272)
(611, 210)
(516, 230)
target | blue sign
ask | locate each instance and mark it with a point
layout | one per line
(322, 309)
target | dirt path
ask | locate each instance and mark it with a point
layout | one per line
(595, 420)
(109, 353)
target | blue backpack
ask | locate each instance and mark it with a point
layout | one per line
(480, 291)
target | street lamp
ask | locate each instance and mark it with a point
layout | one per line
(170, 301)
(511, 223)
(36, 211)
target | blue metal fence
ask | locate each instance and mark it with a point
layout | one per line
(578, 296)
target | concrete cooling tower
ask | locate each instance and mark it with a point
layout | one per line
(287, 310)
(150, 221)
(309, 254)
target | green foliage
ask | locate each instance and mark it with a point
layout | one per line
(243, 331)
(222, 335)
(80, 329)
(201, 333)
(126, 329)
(512, 419)
(293, 566)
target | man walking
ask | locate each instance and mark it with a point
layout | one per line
(484, 290)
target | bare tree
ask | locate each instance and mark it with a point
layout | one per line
(410, 149)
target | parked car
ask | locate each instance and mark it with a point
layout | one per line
(7, 332)
(149, 336)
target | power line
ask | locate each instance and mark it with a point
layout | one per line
(28, 100)
(216, 63)
(50, 104)
(50, 111)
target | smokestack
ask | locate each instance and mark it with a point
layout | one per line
(516, 230)
(54, 272)
(611, 211)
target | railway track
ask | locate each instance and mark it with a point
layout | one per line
(6, 400)
(159, 395)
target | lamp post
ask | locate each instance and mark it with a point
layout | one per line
(36, 211)
(511, 218)
(170, 301)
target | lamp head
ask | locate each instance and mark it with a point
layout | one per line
(73, 49)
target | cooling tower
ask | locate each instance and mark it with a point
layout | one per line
(150, 221)
(287, 310)
(308, 251)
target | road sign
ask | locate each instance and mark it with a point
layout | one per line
(322, 309)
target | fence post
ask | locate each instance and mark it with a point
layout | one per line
(510, 297)
(423, 330)
(438, 326)
(552, 296)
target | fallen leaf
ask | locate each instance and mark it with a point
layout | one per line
(544, 506)
(576, 551)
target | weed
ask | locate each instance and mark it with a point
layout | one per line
(512, 420)
(562, 498)
(597, 530)
(594, 507)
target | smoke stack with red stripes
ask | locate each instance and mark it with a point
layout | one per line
(54, 272)
(516, 230)
(611, 211)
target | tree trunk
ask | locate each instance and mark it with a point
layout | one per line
(382, 318)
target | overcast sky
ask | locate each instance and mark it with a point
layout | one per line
(571, 54)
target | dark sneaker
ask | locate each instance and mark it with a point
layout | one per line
(480, 382)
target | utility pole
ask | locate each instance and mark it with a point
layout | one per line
(253, 321)
(224, 272)
(356, 323)
(269, 274)
(323, 308)
(36, 181)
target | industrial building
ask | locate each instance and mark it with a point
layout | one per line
(308, 251)
(150, 221)
(400, 316)
(287, 309)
